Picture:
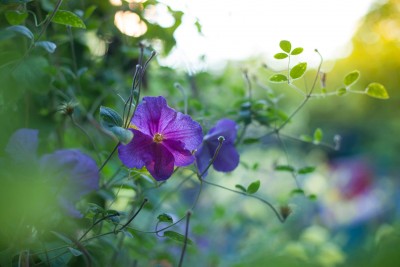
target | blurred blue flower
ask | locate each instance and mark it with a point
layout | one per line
(228, 157)
(68, 173)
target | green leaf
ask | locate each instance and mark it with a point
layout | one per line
(68, 18)
(15, 17)
(21, 30)
(318, 134)
(285, 46)
(281, 55)
(306, 170)
(297, 191)
(110, 116)
(377, 90)
(306, 138)
(297, 51)
(298, 70)
(165, 218)
(351, 78)
(177, 237)
(286, 168)
(341, 91)
(249, 141)
(278, 78)
(253, 187)
(75, 252)
(89, 11)
(62, 237)
(241, 187)
(312, 197)
(50, 47)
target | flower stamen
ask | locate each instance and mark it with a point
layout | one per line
(158, 138)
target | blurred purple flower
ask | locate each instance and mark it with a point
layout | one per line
(70, 173)
(228, 158)
(162, 138)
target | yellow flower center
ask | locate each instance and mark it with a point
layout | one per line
(158, 138)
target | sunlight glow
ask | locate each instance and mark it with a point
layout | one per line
(235, 30)
(129, 23)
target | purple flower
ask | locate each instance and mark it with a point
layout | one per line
(68, 173)
(228, 158)
(163, 138)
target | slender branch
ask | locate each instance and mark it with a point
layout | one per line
(188, 214)
(281, 219)
(134, 215)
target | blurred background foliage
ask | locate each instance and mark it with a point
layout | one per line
(351, 218)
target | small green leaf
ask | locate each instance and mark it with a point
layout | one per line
(312, 197)
(318, 134)
(249, 141)
(21, 30)
(15, 17)
(285, 46)
(297, 51)
(285, 168)
(341, 91)
(306, 170)
(165, 218)
(298, 70)
(297, 191)
(110, 116)
(278, 78)
(351, 78)
(177, 237)
(50, 47)
(68, 18)
(241, 187)
(253, 187)
(306, 138)
(377, 90)
(75, 252)
(281, 55)
(89, 11)
(62, 237)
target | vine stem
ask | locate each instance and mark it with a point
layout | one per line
(188, 214)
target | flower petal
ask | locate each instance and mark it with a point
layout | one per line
(227, 159)
(224, 127)
(22, 145)
(161, 166)
(182, 156)
(75, 173)
(185, 129)
(203, 157)
(136, 153)
(152, 114)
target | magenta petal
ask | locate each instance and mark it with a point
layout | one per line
(186, 130)
(182, 156)
(152, 115)
(227, 159)
(137, 152)
(161, 166)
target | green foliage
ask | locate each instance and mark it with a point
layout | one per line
(285, 45)
(165, 218)
(351, 78)
(177, 237)
(376, 90)
(298, 70)
(281, 55)
(15, 17)
(278, 78)
(68, 18)
(253, 187)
